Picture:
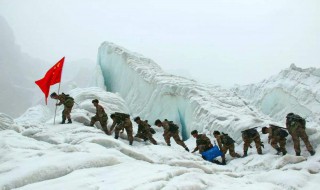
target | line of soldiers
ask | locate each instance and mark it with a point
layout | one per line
(121, 121)
(276, 138)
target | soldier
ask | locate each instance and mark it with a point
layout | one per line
(170, 130)
(248, 136)
(100, 116)
(144, 131)
(296, 126)
(276, 135)
(203, 142)
(68, 103)
(225, 143)
(122, 121)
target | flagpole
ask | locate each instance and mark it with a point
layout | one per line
(55, 111)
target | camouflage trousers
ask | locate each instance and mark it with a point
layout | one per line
(127, 125)
(175, 136)
(282, 143)
(66, 113)
(296, 135)
(248, 141)
(103, 122)
(230, 147)
(146, 135)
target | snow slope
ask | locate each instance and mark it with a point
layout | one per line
(35, 154)
(151, 93)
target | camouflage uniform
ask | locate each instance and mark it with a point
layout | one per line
(203, 143)
(102, 117)
(297, 131)
(119, 125)
(144, 132)
(225, 146)
(167, 134)
(68, 103)
(248, 138)
(274, 138)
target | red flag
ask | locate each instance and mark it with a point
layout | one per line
(53, 76)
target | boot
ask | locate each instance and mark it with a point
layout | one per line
(245, 154)
(116, 136)
(284, 152)
(69, 121)
(187, 149)
(312, 152)
(297, 153)
(278, 151)
(63, 122)
(260, 151)
(169, 144)
(223, 162)
(130, 143)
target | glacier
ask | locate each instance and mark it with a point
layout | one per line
(153, 94)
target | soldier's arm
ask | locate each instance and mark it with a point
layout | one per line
(100, 111)
(270, 134)
(219, 142)
(195, 149)
(113, 125)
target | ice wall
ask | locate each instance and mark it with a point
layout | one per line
(152, 94)
(292, 90)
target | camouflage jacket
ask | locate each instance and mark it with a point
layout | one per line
(143, 127)
(100, 112)
(66, 100)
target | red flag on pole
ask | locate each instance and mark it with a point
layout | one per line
(53, 76)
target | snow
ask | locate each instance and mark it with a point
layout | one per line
(38, 154)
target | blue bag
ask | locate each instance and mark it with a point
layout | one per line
(212, 153)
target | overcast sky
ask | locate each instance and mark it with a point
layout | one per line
(222, 42)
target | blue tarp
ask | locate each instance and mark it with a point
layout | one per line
(212, 153)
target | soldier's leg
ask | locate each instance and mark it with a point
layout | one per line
(282, 143)
(232, 152)
(305, 138)
(128, 129)
(93, 120)
(296, 142)
(117, 130)
(64, 116)
(167, 137)
(149, 136)
(68, 113)
(103, 124)
(257, 141)
(246, 145)
(176, 138)
(274, 144)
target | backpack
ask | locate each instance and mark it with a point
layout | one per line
(226, 139)
(173, 127)
(121, 116)
(250, 133)
(299, 119)
(68, 100)
(279, 131)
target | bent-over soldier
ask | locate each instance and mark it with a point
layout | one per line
(67, 102)
(100, 116)
(121, 121)
(144, 131)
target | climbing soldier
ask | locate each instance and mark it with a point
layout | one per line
(68, 103)
(121, 121)
(170, 130)
(202, 141)
(248, 136)
(296, 126)
(225, 143)
(100, 116)
(276, 135)
(144, 131)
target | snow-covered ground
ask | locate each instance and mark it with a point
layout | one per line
(37, 154)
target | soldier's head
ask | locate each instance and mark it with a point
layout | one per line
(54, 95)
(137, 120)
(194, 133)
(113, 116)
(264, 130)
(216, 133)
(290, 115)
(95, 102)
(158, 123)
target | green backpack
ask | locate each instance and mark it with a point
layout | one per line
(226, 139)
(173, 127)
